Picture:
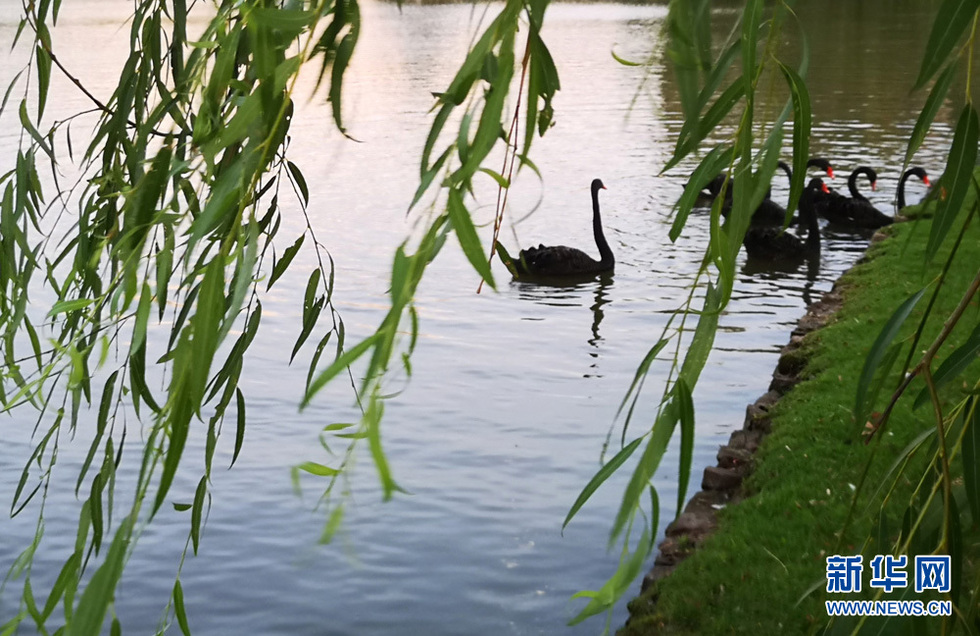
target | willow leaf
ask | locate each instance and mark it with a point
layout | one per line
(373, 420)
(68, 571)
(332, 525)
(92, 606)
(802, 121)
(751, 16)
(300, 181)
(641, 372)
(688, 142)
(971, 458)
(618, 584)
(197, 512)
(69, 305)
(43, 59)
(282, 263)
(608, 469)
(33, 132)
(704, 337)
(936, 98)
(952, 19)
(341, 363)
(660, 435)
(240, 425)
(179, 610)
(953, 365)
(957, 177)
(717, 159)
(685, 407)
(879, 349)
(468, 238)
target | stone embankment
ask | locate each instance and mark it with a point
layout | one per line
(722, 484)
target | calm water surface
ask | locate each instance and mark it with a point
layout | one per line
(513, 392)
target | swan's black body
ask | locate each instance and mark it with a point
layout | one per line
(771, 243)
(911, 172)
(856, 211)
(557, 261)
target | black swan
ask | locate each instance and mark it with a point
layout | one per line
(856, 211)
(911, 172)
(771, 243)
(561, 261)
(769, 212)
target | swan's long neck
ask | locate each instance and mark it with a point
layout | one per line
(852, 182)
(810, 218)
(901, 188)
(789, 176)
(605, 253)
(787, 170)
(852, 185)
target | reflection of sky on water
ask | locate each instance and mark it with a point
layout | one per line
(513, 392)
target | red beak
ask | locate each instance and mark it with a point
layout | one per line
(830, 172)
(925, 180)
(823, 186)
(874, 185)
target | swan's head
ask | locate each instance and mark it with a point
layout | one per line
(817, 183)
(921, 173)
(597, 185)
(870, 174)
(822, 164)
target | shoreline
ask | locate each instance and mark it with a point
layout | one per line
(725, 568)
(721, 484)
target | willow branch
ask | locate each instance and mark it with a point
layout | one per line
(908, 376)
(943, 452)
(510, 154)
(927, 358)
(95, 100)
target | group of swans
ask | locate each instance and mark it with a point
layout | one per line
(764, 239)
(769, 212)
(857, 211)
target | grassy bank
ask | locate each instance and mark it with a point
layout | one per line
(771, 548)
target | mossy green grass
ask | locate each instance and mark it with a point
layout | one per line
(770, 549)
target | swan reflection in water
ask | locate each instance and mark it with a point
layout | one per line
(783, 273)
(573, 294)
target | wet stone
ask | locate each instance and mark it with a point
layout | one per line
(716, 478)
(783, 383)
(760, 424)
(791, 362)
(734, 458)
(690, 523)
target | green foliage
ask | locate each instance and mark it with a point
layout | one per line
(958, 176)
(763, 571)
(879, 352)
(749, 156)
(699, 79)
(179, 209)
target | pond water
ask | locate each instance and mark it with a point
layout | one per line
(514, 392)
